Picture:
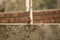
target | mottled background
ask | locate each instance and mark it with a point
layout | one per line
(45, 4)
(19, 5)
(30, 32)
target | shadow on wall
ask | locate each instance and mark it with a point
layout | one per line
(29, 32)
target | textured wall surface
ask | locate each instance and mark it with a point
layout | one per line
(47, 17)
(21, 17)
(38, 17)
(29, 32)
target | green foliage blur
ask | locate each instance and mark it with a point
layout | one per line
(44, 4)
(18, 5)
(14, 5)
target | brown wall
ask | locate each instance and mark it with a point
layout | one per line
(47, 17)
(21, 17)
(39, 17)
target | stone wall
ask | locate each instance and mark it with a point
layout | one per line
(38, 17)
(21, 17)
(29, 32)
(47, 17)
